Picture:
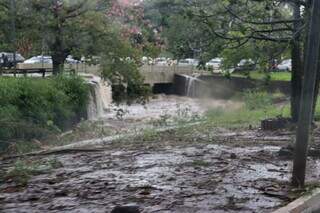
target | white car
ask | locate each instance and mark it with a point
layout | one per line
(41, 59)
(188, 62)
(285, 65)
(214, 63)
(71, 60)
(161, 61)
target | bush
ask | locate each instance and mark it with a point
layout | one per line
(129, 83)
(31, 108)
(257, 100)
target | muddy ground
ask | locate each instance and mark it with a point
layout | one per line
(194, 169)
(241, 173)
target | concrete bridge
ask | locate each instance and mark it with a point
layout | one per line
(165, 74)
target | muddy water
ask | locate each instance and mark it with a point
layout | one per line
(172, 105)
(176, 178)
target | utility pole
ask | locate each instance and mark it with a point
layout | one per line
(307, 98)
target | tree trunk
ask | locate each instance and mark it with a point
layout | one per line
(297, 66)
(316, 91)
(58, 56)
(58, 52)
(57, 64)
(305, 117)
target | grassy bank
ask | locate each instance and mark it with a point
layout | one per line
(258, 75)
(32, 108)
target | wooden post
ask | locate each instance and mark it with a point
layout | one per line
(305, 117)
(43, 72)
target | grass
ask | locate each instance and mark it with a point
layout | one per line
(22, 171)
(200, 163)
(274, 76)
(258, 105)
(244, 118)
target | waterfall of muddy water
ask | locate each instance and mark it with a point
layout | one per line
(192, 84)
(100, 96)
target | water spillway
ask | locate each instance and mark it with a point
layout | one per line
(189, 86)
(100, 96)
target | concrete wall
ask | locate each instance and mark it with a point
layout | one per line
(165, 74)
(223, 88)
(227, 87)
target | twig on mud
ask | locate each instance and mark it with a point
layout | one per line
(223, 169)
(199, 194)
(246, 167)
(266, 160)
(160, 210)
(280, 196)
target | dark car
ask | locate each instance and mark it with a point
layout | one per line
(7, 59)
(245, 65)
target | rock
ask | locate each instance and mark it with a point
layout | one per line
(275, 124)
(233, 156)
(126, 209)
(286, 151)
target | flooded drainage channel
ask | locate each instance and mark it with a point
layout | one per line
(167, 178)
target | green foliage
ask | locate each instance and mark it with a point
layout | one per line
(31, 108)
(121, 67)
(273, 76)
(257, 100)
(317, 110)
(243, 117)
(200, 163)
(149, 135)
(22, 171)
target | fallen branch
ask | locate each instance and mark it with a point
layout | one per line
(51, 152)
(199, 194)
(266, 160)
(223, 169)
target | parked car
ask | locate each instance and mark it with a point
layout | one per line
(245, 65)
(41, 59)
(188, 62)
(161, 61)
(285, 65)
(214, 63)
(147, 60)
(71, 60)
(7, 59)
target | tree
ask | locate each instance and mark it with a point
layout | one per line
(269, 23)
(82, 28)
(63, 22)
(57, 27)
(4, 20)
(309, 82)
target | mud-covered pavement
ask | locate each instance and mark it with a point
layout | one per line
(168, 176)
(192, 169)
